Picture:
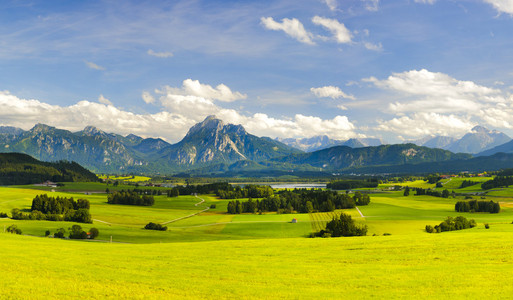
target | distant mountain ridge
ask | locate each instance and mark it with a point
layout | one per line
(323, 141)
(477, 140)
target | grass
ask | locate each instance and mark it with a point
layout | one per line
(474, 263)
(218, 255)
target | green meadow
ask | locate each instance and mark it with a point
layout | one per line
(207, 253)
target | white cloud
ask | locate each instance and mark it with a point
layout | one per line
(340, 33)
(25, 113)
(104, 100)
(502, 6)
(422, 124)
(431, 84)
(332, 4)
(425, 1)
(371, 5)
(94, 66)
(291, 27)
(160, 54)
(341, 107)
(147, 97)
(330, 92)
(374, 47)
(195, 88)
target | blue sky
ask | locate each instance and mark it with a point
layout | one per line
(362, 68)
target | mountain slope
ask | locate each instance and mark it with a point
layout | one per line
(342, 157)
(211, 142)
(18, 168)
(478, 140)
(323, 141)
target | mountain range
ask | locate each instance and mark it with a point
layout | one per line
(322, 142)
(217, 149)
(479, 139)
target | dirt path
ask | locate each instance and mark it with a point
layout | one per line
(359, 212)
(191, 215)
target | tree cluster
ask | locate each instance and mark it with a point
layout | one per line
(343, 226)
(433, 178)
(248, 191)
(13, 229)
(210, 188)
(154, 226)
(76, 232)
(478, 206)
(174, 192)
(299, 200)
(499, 181)
(153, 192)
(56, 209)
(467, 183)
(130, 198)
(451, 224)
(420, 191)
(57, 205)
(352, 184)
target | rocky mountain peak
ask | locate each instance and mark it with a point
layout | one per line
(40, 128)
(211, 123)
(91, 130)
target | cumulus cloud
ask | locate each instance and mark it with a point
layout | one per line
(104, 100)
(340, 33)
(436, 92)
(332, 4)
(502, 6)
(436, 103)
(94, 66)
(195, 88)
(422, 124)
(330, 92)
(292, 27)
(25, 113)
(160, 54)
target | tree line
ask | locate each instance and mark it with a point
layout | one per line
(420, 191)
(299, 200)
(130, 198)
(248, 191)
(352, 184)
(498, 181)
(478, 206)
(56, 209)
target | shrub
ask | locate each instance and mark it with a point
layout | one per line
(213, 206)
(430, 229)
(487, 226)
(13, 229)
(93, 233)
(60, 233)
(3, 215)
(47, 233)
(154, 226)
(77, 232)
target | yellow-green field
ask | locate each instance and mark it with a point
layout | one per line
(474, 264)
(207, 253)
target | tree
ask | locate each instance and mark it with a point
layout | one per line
(407, 191)
(445, 193)
(93, 233)
(77, 232)
(309, 207)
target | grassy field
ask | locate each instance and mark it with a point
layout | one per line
(474, 263)
(212, 254)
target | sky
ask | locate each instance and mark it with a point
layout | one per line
(397, 70)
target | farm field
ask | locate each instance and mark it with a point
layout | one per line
(212, 254)
(473, 263)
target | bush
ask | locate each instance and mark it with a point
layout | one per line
(93, 233)
(154, 226)
(3, 215)
(77, 232)
(213, 206)
(47, 233)
(487, 226)
(14, 229)
(430, 229)
(60, 233)
(343, 226)
(451, 224)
